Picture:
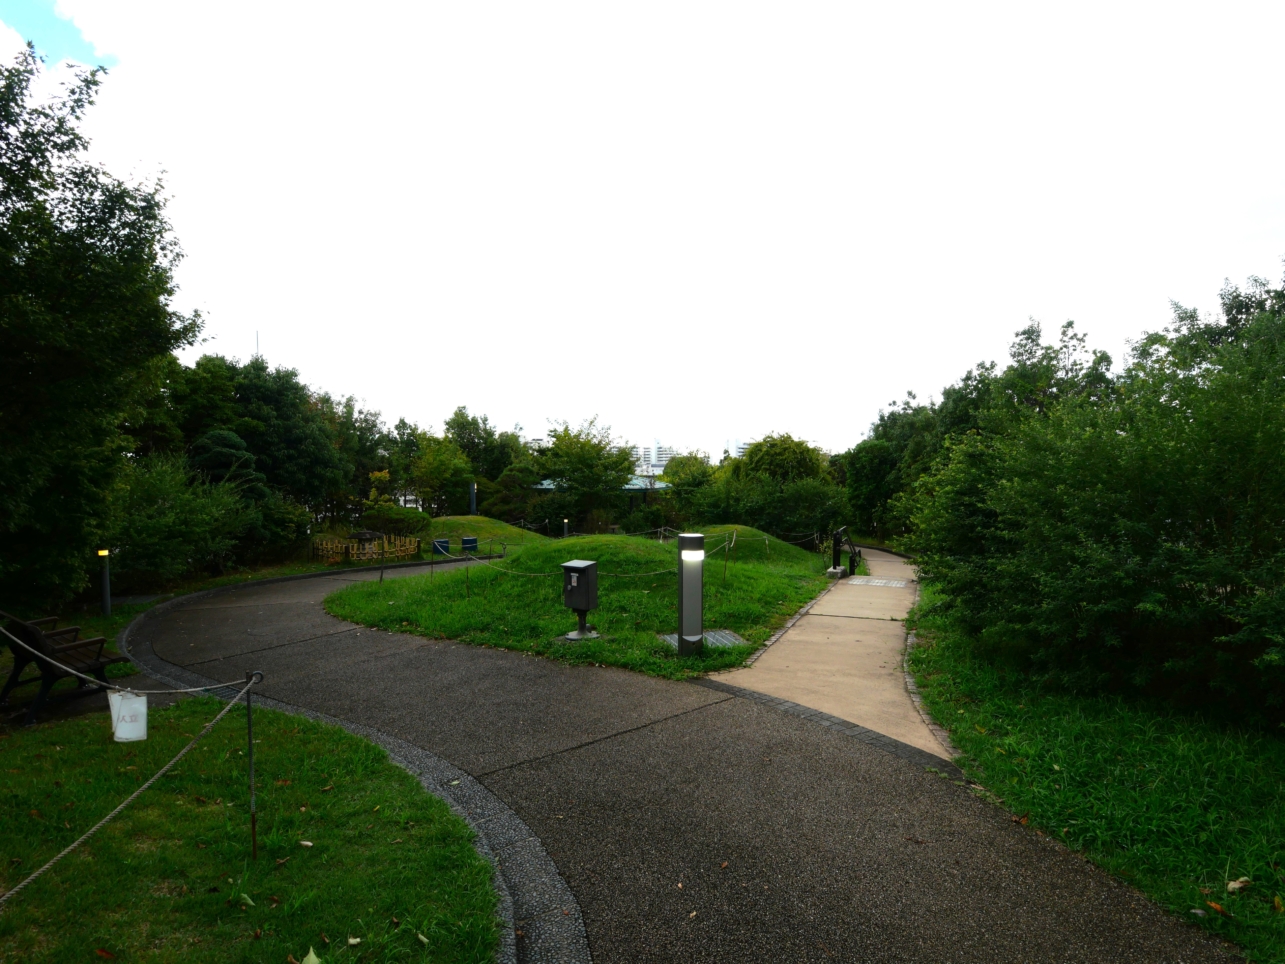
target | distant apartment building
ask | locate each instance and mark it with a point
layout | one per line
(651, 460)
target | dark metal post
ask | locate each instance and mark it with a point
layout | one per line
(107, 581)
(837, 547)
(252, 676)
(383, 554)
(564, 528)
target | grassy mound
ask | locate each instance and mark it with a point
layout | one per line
(766, 582)
(1176, 805)
(454, 526)
(168, 879)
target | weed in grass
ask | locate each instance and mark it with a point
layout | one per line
(766, 583)
(171, 878)
(1178, 806)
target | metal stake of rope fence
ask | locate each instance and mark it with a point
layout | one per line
(137, 793)
(251, 677)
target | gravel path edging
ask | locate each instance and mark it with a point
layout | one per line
(937, 729)
(533, 898)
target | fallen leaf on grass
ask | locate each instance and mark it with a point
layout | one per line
(103, 953)
(397, 841)
(354, 941)
(1206, 891)
(245, 899)
(324, 937)
(980, 729)
(1235, 885)
(305, 843)
(290, 959)
(327, 789)
(396, 922)
(200, 846)
(724, 864)
(281, 860)
(376, 810)
(422, 938)
(1199, 913)
(1218, 907)
(283, 783)
(258, 932)
(1280, 904)
(312, 957)
(1024, 819)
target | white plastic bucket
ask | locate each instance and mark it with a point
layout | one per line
(129, 716)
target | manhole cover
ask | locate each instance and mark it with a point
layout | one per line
(872, 581)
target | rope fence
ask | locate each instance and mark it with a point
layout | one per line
(137, 793)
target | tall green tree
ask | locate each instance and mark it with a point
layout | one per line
(86, 287)
(489, 451)
(588, 470)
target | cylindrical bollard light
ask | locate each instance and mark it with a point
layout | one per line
(691, 593)
(472, 499)
(564, 528)
(107, 581)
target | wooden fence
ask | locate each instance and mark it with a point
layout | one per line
(389, 548)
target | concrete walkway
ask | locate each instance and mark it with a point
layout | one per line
(844, 657)
(791, 841)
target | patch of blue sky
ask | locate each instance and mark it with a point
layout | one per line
(56, 39)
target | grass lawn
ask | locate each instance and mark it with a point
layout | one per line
(168, 880)
(1174, 804)
(766, 582)
(486, 529)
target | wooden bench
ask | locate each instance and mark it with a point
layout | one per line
(51, 645)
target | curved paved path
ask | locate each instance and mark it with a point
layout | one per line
(792, 841)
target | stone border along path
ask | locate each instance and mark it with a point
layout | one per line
(676, 821)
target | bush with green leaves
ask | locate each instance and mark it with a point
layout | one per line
(169, 523)
(1127, 534)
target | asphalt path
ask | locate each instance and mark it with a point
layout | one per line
(692, 824)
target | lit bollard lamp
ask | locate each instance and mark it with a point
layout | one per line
(691, 593)
(106, 556)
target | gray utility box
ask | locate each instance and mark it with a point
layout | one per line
(580, 585)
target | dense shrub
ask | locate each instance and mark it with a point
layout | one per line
(397, 520)
(1127, 535)
(169, 524)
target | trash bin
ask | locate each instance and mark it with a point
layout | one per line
(468, 544)
(441, 547)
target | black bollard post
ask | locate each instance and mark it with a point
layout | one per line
(836, 548)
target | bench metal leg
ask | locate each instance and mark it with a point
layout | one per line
(11, 682)
(46, 684)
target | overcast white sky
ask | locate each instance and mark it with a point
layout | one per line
(699, 221)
